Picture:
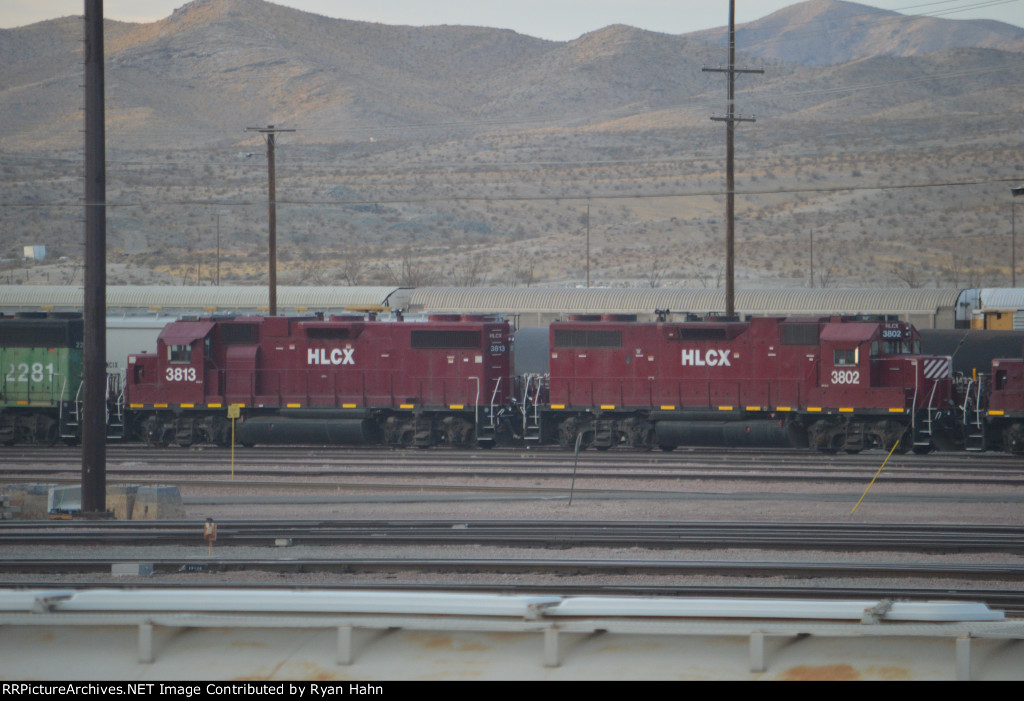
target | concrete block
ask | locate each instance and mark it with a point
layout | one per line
(29, 501)
(158, 502)
(6, 510)
(132, 569)
(121, 500)
(65, 499)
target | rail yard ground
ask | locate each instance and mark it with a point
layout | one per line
(697, 486)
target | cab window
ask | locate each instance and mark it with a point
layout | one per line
(179, 354)
(844, 357)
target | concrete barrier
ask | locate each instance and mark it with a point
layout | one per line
(29, 502)
(126, 501)
(121, 500)
(158, 502)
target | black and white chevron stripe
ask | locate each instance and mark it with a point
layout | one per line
(936, 368)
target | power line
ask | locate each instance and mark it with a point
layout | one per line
(573, 197)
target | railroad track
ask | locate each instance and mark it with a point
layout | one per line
(285, 467)
(836, 537)
(540, 566)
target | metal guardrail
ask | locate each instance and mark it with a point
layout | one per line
(548, 616)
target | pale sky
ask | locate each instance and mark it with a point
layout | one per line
(560, 20)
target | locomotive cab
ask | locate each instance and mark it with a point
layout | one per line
(175, 373)
(888, 392)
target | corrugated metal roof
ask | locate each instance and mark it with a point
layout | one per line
(196, 298)
(510, 299)
(1004, 298)
(760, 302)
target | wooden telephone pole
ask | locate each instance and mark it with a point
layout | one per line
(270, 132)
(730, 188)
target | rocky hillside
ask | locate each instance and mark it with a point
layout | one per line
(460, 155)
(830, 32)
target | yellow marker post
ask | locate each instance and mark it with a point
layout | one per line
(234, 411)
(877, 474)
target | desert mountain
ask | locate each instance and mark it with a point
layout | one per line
(465, 154)
(830, 32)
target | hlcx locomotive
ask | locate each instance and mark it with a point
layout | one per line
(828, 383)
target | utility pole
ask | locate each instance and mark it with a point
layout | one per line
(270, 132)
(93, 424)
(1015, 192)
(811, 258)
(730, 125)
(588, 246)
(218, 250)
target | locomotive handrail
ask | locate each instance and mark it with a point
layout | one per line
(536, 400)
(60, 404)
(913, 404)
(494, 396)
(476, 407)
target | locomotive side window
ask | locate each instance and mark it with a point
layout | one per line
(446, 339)
(50, 334)
(239, 334)
(587, 338)
(179, 354)
(845, 357)
(901, 347)
(689, 333)
(339, 333)
(799, 334)
(999, 381)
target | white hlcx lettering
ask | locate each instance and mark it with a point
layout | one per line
(337, 356)
(711, 358)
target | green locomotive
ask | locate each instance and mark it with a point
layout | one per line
(40, 377)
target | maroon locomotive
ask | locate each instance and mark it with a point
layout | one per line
(345, 379)
(837, 383)
(993, 407)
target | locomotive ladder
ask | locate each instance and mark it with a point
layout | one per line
(484, 432)
(531, 409)
(68, 426)
(923, 436)
(69, 423)
(115, 418)
(973, 418)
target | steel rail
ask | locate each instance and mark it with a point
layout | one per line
(576, 567)
(825, 536)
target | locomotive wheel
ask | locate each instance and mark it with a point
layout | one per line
(667, 448)
(50, 435)
(923, 449)
(570, 429)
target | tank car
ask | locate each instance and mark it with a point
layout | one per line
(41, 362)
(833, 383)
(344, 379)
